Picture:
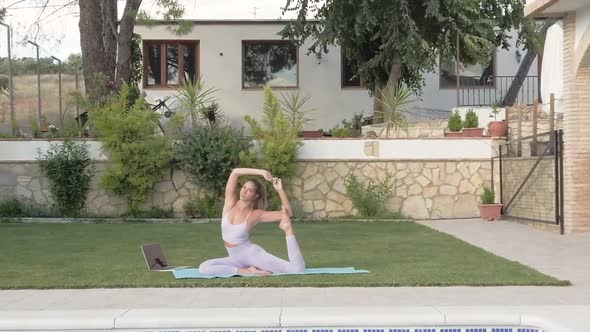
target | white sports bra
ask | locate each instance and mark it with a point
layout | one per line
(235, 234)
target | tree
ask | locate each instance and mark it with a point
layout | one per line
(392, 40)
(525, 65)
(106, 49)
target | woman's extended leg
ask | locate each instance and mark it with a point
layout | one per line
(263, 260)
(220, 266)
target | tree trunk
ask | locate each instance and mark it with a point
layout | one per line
(395, 74)
(125, 38)
(523, 70)
(98, 54)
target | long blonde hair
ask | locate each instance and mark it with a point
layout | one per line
(262, 201)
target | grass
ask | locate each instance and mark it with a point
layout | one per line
(108, 255)
(26, 101)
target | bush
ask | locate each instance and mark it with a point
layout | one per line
(210, 154)
(455, 123)
(191, 208)
(340, 132)
(488, 196)
(139, 157)
(14, 208)
(69, 170)
(277, 146)
(369, 199)
(471, 120)
(153, 213)
(210, 207)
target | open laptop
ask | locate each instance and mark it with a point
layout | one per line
(155, 260)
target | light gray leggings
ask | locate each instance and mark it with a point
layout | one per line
(249, 254)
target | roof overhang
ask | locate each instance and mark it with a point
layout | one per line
(553, 8)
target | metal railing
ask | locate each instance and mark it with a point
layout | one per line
(491, 90)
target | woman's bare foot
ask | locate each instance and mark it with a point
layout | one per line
(253, 270)
(285, 224)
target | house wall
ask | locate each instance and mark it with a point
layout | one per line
(323, 81)
(506, 65)
(331, 102)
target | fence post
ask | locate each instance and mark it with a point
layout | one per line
(10, 80)
(552, 113)
(77, 105)
(535, 119)
(519, 144)
(61, 118)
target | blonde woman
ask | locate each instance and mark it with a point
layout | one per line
(242, 211)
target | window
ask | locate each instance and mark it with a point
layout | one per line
(169, 63)
(349, 71)
(479, 75)
(272, 62)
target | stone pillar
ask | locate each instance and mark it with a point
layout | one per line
(576, 160)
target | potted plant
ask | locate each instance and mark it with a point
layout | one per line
(471, 125)
(497, 128)
(455, 125)
(488, 209)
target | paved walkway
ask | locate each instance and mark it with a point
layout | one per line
(562, 256)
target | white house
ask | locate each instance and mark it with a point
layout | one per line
(238, 57)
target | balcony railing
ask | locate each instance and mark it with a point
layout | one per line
(488, 91)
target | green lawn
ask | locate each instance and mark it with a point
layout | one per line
(108, 255)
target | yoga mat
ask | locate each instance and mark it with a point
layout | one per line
(194, 273)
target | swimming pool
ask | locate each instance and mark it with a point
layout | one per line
(305, 319)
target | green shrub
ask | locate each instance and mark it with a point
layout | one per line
(138, 156)
(14, 208)
(210, 154)
(455, 123)
(153, 213)
(369, 199)
(191, 208)
(277, 146)
(209, 207)
(35, 127)
(488, 196)
(471, 120)
(340, 132)
(69, 170)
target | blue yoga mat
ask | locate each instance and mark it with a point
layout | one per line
(194, 273)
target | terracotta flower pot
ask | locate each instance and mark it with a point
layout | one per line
(311, 133)
(498, 128)
(490, 211)
(472, 132)
(454, 134)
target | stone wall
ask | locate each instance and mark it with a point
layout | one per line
(24, 180)
(422, 189)
(536, 199)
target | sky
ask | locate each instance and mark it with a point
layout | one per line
(59, 34)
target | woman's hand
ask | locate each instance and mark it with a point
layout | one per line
(267, 176)
(277, 184)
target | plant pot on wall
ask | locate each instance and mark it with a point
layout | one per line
(472, 132)
(453, 134)
(311, 133)
(490, 212)
(498, 128)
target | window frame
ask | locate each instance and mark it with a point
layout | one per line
(269, 41)
(164, 43)
(454, 87)
(343, 76)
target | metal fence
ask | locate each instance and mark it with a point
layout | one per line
(35, 87)
(488, 91)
